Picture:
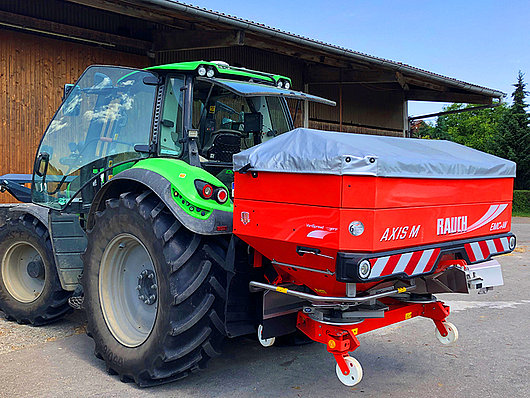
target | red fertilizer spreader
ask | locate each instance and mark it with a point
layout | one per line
(356, 232)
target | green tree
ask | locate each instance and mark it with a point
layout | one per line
(503, 130)
(477, 128)
(514, 134)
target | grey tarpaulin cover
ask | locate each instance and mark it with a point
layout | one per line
(323, 152)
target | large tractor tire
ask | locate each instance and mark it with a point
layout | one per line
(154, 291)
(30, 290)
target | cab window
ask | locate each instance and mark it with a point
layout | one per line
(171, 126)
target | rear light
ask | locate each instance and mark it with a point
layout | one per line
(207, 191)
(222, 195)
(364, 269)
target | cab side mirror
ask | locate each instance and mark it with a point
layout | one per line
(67, 89)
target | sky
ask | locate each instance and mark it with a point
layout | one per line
(482, 42)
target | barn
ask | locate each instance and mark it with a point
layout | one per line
(47, 43)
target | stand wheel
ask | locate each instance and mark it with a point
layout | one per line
(355, 375)
(452, 334)
(265, 342)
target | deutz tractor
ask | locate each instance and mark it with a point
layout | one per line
(132, 215)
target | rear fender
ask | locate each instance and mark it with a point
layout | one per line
(204, 217)
(17, 209)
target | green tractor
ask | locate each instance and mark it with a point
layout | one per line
(130, 213)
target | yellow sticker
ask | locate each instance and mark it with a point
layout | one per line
(355, 331)
(321, 291)
(332, 344)
(212, 109)
(402, 289)
(281, 289)
(182, 175)
(408, 315)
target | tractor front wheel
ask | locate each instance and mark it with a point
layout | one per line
(154, 291)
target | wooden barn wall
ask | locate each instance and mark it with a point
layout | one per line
(33, 71)
(365, 109)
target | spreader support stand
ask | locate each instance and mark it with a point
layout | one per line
(437, 312)
(340, 339)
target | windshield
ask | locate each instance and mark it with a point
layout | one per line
(229, 123)
(106, 114)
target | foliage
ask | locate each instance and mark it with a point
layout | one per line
(502, 131)
(519, 95)
(521, 202)
(514, 135)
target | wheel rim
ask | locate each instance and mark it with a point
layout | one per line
(265, 342)
(18, 282)
(452, 334)
(128, 290)
(356, 372)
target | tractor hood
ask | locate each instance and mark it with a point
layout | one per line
(322, 152)
(247, 89)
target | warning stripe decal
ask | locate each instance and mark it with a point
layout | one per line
(478, 251)
(412, 263)
(424, 261)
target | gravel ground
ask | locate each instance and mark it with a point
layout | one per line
(15, 337)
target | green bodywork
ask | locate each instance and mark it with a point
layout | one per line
(182, 177)
(228, 71)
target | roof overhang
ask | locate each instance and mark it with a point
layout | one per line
(327, 63)
(248, 89)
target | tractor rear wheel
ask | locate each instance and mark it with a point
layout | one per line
(30, 290)
(154, 291)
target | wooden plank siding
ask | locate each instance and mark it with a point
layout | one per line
(33, 71)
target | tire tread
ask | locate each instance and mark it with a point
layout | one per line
(195, 332)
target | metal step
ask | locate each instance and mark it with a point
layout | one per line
(69, 242)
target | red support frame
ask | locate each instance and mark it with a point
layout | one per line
(341, 339)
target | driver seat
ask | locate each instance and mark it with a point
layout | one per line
(222, 145)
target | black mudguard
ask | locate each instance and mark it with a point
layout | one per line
(12, 210)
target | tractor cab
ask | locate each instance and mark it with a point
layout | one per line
(200, 112)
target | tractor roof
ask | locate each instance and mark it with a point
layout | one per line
(222, 69)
